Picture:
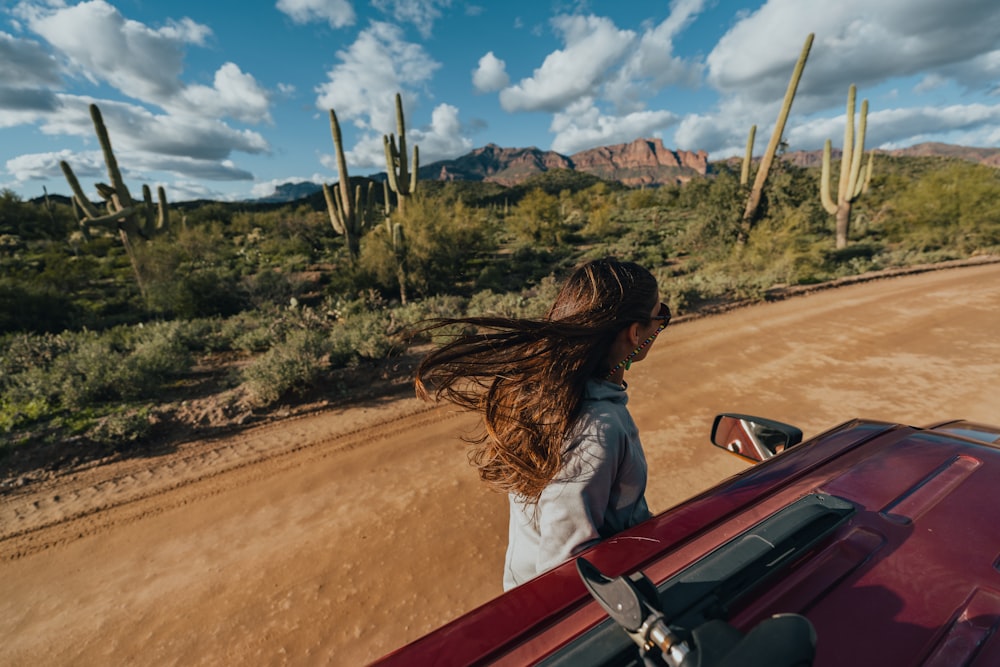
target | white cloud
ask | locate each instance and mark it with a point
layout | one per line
(582, 126)
(138, 131)
(234, 94)
(362, 90)
(904, 126)
(41, 166)
(652, 63)
(491, 74)
(105, 46)
(26, 64)
(373, 69)
(599, 85)
(857, 41)
(593, 46)
(421, 13)
(268, 188)
(444, 137)
(338, 13)
(144, 63)
(869, 44)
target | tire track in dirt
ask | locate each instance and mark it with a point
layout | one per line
(92, 502)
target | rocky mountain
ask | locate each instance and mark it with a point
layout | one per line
(288, 192)
(988, 156)
(641, 162)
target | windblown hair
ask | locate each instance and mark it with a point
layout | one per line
(527, 377)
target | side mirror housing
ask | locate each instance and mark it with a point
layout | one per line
(753, 438)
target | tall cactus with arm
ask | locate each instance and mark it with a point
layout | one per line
(346, 215)
(122, 213)
(753, 200)
(851, 184)
(402, 177)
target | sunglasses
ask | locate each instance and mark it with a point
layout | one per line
(663, 315)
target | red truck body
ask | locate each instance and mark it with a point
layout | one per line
(886, 537)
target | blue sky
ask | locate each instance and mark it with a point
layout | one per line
(223, 101)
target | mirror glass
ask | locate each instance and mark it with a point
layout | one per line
(753, 438)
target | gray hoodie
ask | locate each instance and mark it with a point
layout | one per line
(599, 492)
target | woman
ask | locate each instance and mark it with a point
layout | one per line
(558, 438)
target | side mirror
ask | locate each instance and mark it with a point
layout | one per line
(753, 438)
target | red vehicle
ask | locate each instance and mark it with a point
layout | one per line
(870, 544)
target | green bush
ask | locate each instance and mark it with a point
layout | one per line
(121, 426)
(371, 335)
(290, 366)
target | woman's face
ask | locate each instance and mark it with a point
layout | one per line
(653, 328)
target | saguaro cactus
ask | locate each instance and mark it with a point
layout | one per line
(748, 157)
(851, 184)
(402, 177)
(397, 241)
(123, 214)
(753, 200)
(346, 215)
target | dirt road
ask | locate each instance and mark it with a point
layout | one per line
(334, 538)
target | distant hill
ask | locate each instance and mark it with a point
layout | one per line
(987, 156)
(641, 162)
(289, 192)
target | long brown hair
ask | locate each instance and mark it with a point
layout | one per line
(527, 377)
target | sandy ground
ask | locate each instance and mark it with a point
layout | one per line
(336, 537)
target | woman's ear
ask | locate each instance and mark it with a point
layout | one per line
(633, 334)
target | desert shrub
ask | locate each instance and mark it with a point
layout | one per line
(121, 426)
(202, 334)
(88, 373)
(441, 243)
(21, 352)
(371, 335)
(75, 370)
(412, 317)
(158, 354)
(529, 303)
(26, 305)
(290, 366)
(538, 219)
(271, 287)
(199, 293)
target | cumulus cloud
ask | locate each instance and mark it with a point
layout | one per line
(338, 13)
(95, 43)
(103, 45)
(145, 63)
(856, 42)
(269, 187)
(377, 65)
(234, 94)
(26, 64)
(652, 64)
(582, 126)
(933, 45)
(903, 126)
(363, 87)
(42, 166)
(421, 13)
(491, 74)
(598, 86)
(443, 139)
(139, 131)
(593, 46)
